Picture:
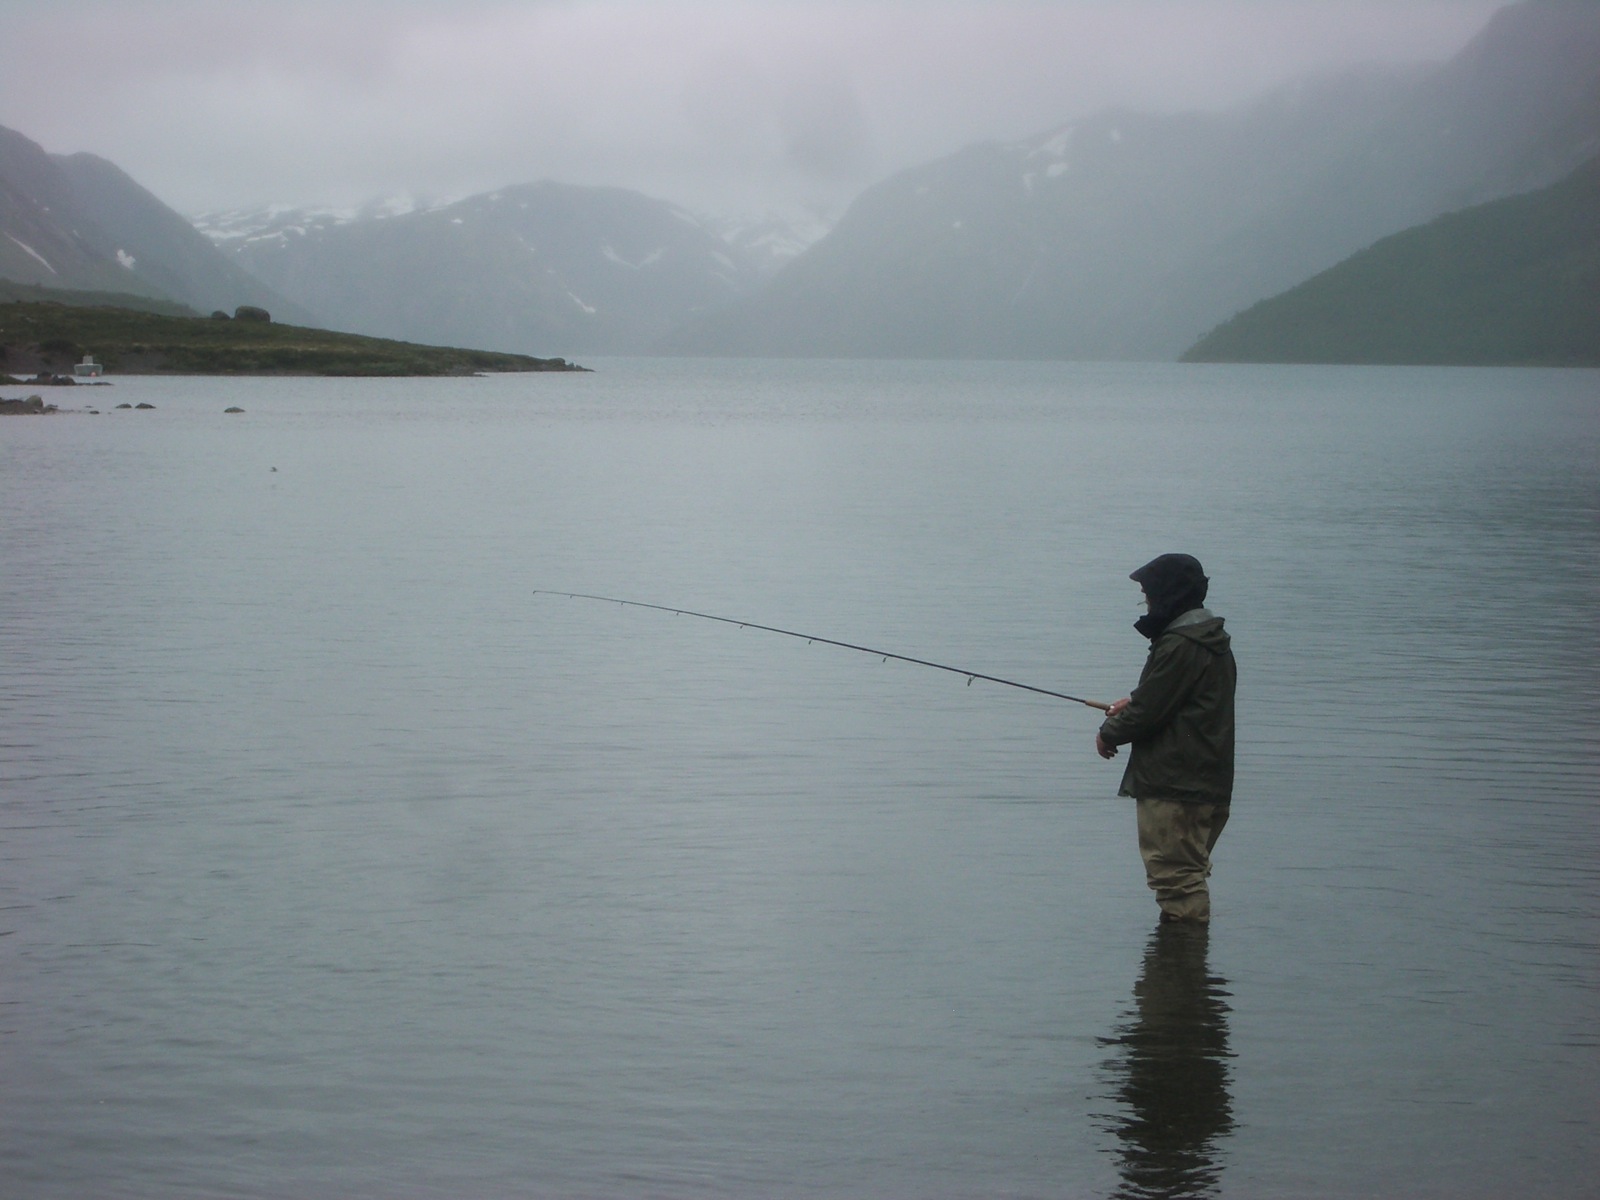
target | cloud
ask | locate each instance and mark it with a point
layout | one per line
(715, 103)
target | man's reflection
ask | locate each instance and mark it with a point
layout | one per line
(1171, 1077)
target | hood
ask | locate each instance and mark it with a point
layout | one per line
(1173, 584)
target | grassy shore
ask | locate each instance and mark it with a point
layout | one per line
(51, 336)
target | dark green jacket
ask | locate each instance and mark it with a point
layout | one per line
(1180, 717)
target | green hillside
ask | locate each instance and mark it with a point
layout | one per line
(1512, 283)
(31, 293)
(51, 336)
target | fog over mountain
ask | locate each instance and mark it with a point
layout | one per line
(1124, 233)
(1128, 235)
(734, 108)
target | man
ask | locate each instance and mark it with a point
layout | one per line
(1179, 722)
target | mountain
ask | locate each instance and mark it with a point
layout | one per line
(1128, 235)
(1511, 282)
(41, 241)
(531, 268)
(78, 222)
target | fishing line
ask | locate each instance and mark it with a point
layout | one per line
(885, 655)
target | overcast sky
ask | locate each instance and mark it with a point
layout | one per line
(726, 106)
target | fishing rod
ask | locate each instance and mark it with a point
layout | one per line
(886, 655)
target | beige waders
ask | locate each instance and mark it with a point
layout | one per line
(1175, 841)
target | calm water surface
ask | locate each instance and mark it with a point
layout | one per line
(336, 863)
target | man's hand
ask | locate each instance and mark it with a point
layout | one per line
(1102, 747)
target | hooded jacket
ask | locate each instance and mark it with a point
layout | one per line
(1179, 718)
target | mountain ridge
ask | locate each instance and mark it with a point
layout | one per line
(526, 267)
(1512, 282)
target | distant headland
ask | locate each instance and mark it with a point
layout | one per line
(47, 333)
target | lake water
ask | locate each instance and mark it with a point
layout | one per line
(336, 863)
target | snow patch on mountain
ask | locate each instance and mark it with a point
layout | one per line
(230, 228)
(1054, 145)
(611, 254)
(31, 251)
(771, 240)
